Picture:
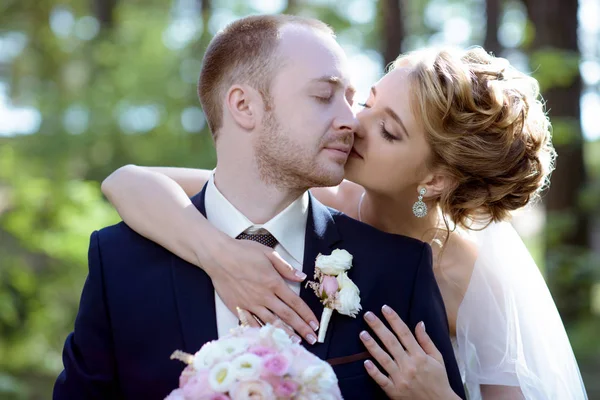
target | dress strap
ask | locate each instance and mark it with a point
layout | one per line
(362, 197)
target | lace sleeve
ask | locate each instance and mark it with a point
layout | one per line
(509, 332)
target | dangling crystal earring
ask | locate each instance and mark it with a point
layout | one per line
(420, 208)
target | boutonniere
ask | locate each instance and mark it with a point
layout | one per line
(334, 288)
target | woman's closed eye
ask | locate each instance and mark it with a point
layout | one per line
(386, 135)
(384, 132)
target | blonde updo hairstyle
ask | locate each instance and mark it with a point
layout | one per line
(487, 129)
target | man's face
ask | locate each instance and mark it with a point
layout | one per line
(307, 136)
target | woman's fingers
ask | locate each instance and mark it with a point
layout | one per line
(383, 358)
(293, 311)
(427, 344)
(292, 319)
(382, 380)
(306, 321)
(259, 286)
(386, 336)
(267, 317)
(402, 331)
(246, 318)
(289, 297)
(413, 373)
(283, 268)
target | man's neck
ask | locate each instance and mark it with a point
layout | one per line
(244, 189)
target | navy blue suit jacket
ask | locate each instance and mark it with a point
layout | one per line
(140, 303)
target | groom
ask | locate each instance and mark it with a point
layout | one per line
(276, 96)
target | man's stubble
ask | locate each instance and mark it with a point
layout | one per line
(286, 164)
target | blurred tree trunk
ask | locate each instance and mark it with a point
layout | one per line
(555, 47)
(205, 10)
(493, 11)
(104, 11)
(292, 7)
(393, 29)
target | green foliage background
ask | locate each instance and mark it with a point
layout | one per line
(82, 84)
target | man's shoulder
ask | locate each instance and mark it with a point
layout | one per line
(351, 229)
(117, 233)
(121, 240)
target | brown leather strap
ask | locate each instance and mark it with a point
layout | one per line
(348, 359)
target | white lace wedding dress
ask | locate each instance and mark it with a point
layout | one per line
(508, 330)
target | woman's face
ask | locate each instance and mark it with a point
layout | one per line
(390, 151)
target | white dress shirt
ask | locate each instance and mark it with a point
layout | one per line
(288, 227)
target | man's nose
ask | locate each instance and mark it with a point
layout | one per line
(346, 121)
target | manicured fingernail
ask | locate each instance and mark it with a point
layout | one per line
(423, 326)
(314, 325)
(296, 339)
(369, 364)
(300, 274)
(312, 339)
(386, 309)
(369, 316)
(364, 335)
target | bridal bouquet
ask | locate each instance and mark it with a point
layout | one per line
(254, 363)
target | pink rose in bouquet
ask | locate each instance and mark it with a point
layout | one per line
(254, 363)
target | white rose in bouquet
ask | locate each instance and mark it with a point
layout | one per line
(221, 377)
(277, 336)
(208, 355)
(247, 366)
(321, 378)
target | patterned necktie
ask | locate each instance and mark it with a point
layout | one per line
(263, 238)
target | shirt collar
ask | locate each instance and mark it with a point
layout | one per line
(288, 227)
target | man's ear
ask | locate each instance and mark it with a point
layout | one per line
(244, 104)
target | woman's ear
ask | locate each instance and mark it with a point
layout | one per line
(435, 184)
(244, 106)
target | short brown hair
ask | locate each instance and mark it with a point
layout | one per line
(243, 52)
(487, 128)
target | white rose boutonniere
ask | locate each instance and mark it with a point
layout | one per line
(334, 264)
(334, 288)
(348, 298)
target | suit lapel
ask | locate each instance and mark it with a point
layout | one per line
(194, 296)
(321, 236)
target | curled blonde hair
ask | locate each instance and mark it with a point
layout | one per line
(487, 129)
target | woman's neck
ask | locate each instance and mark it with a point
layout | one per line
(395, 215)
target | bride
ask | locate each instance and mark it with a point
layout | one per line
(449, 144)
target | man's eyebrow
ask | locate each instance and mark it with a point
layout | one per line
(336, 81)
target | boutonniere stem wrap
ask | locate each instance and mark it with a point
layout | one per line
(334, 288)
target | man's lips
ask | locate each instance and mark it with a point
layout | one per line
(342, 148)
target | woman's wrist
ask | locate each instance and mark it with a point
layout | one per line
(208, 244)
(208, 252)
